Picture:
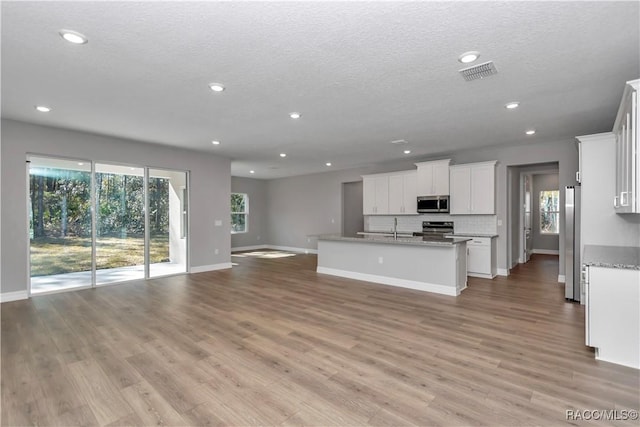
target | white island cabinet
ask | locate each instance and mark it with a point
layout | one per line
(611, 280)
(438, 266)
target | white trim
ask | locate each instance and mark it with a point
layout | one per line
(561, 278)
(292, 249)
(503, 272)
(249, 248)
(401, 283)
(212, 267)
(481, 275)
(13, 296)
(545, 251)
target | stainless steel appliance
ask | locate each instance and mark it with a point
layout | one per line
(433, 204)
(436, 229)
(572, 270)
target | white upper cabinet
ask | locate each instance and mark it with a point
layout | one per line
(375, 195)
(433, 178)
(390, 194)
(625, 129)
(472, 189)
(402, 193)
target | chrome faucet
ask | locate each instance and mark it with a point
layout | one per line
(395, 228)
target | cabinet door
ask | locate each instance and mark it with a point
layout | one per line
(382, 195)
(425, 180)
(368, 195)
(460, 190)
(483, 190)
(410, 203)
(479, 259)
(396, 194)
(441, 179)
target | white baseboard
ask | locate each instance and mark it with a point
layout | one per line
(401, 283)
(292, 249)
(249, 248)
(503, 272)
(481, 275)
(545, 251)
(212, 267)
(520, 260)
(13, 296)
(561, 278)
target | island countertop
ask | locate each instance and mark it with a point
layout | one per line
(412, 241)
(612, 256)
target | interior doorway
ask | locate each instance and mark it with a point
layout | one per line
(352, 217)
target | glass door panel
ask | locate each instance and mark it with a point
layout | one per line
(59, 224)
(120, 242)
(167, 195)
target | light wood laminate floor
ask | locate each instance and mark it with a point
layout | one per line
(271, 342)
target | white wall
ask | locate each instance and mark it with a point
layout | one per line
(257, 234)
(600, 225)
(305, 205)
(210, 189)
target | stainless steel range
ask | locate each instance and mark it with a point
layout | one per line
(435, 229)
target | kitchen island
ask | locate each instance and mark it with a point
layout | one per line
(429, 264)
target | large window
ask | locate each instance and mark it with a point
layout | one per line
(550, 212)
(239, 212)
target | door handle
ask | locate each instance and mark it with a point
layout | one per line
(624, 198)
(578, 176)
(615, 202)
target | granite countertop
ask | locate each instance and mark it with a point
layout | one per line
(625, 257)
(411, 241)
(474, 235)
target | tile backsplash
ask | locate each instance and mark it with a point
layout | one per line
(484, 224)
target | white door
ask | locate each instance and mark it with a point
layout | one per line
(526, 221)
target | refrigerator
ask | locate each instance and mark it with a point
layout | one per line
(572, 289)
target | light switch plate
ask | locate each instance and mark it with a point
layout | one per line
(218, 223)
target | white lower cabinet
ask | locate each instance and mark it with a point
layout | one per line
(481, 257)
(612, 311)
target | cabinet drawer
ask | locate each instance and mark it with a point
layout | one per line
(479, 241)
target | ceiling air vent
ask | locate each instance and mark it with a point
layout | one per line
(479, 71)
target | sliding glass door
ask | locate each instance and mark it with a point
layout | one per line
(120, 225)
(59, 224)
(121, 241)
(167, 196)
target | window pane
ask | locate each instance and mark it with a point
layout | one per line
(549, 222)
(238, 223)
(238, 202)
(550, 200)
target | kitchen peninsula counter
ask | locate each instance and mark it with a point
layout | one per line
(429, 264)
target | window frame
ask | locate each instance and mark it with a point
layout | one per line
(542, 211)
(245, 213)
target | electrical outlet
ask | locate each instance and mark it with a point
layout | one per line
(380, 260)
(499, 223)
(217, 251)
(333, 221)
(217, 223)
(258, 238)
(308, 240)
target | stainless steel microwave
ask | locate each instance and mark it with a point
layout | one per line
(433, 204)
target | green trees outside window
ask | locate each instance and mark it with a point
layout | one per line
(550, 212)
(239, 212)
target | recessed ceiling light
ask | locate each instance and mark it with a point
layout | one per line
(215, 142)
(252, 171)
(283, 154)
(80, 164)
(328, 163)
(512, 105)
(530, 132)
(216, 87)
(43, 109)
(468, 57)
(73, 37)
(295, 115)
(407, 151)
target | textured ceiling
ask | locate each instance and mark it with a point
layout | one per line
(362, 74)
